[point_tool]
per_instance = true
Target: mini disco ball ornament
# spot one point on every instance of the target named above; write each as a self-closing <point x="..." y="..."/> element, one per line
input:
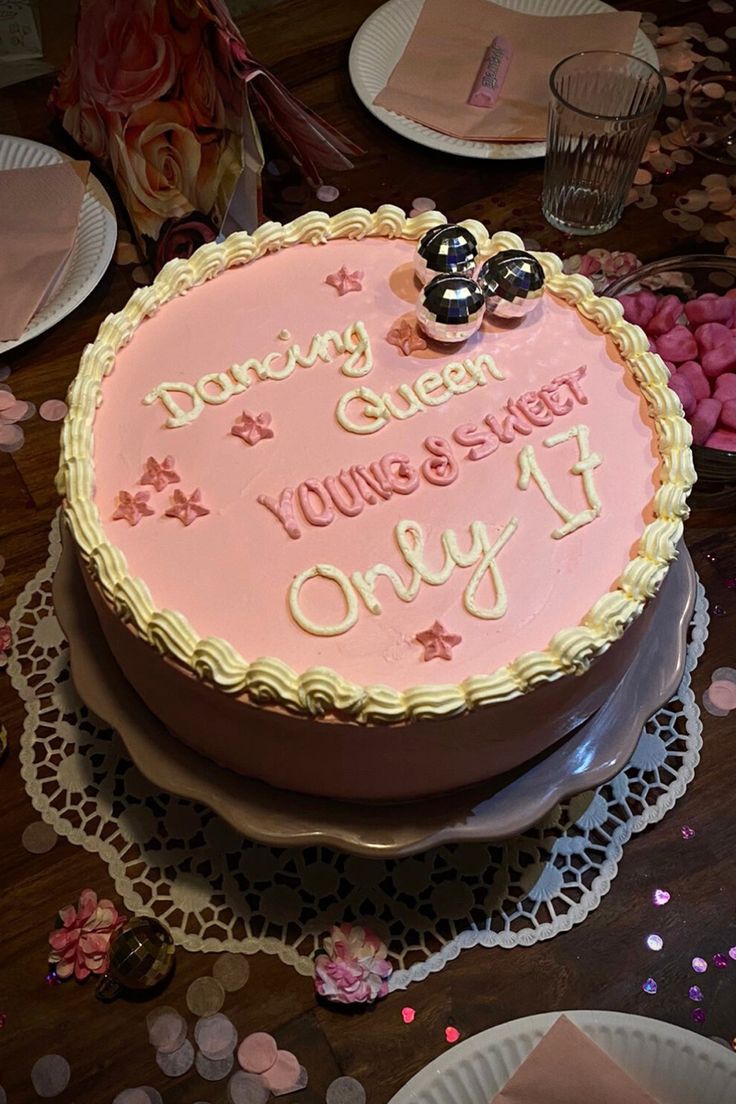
<point x="512" y="282"/>
<point x="450" y="308"/>
<point x="141" y="956"/>
<point x="446" y="250"/>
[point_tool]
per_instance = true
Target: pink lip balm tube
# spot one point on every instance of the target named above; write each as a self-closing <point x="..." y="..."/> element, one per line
<point x="492" y="73"/>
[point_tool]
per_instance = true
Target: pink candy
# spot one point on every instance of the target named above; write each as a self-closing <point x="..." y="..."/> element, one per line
<point x="691" y="371"/>
<point x="682" y="388"/>
<point x="728" y="414"/>
<point x="639" y="308"/>
<point x="722" y="439"/>
<point x="712" y="334"/>
<point x="705" y="419"/>
<point x="709" y="308"/>
<point x="668" y="311"/>
<point x="677" y="345"/>
<point x="725" y="387"/>
<point x="721" y="359"/>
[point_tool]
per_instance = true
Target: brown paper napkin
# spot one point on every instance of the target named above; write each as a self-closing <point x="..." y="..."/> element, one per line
<point x="39" y="215"/>
<point x="434" y="76"/>
<point x="567" y="1067"/>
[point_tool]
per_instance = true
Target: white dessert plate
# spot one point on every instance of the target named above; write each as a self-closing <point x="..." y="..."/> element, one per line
<point x="381" y="40"/>
<point x="674" y="1065"/>
<point x="93" y="247"/>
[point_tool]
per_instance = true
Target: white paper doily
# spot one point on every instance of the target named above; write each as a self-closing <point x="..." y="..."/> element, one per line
<point x="174" y="859"/>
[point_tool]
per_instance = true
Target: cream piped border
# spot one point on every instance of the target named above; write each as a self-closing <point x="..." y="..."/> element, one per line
<point x="320" y="690"/>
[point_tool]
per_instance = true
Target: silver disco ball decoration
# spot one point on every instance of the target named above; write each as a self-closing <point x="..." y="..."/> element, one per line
<point x="450" y="308"/>
<point x="446" y="250"/>
<point x="512" y="282"/>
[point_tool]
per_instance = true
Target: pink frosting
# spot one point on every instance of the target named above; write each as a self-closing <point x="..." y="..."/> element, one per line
<point x="233" y="572"/>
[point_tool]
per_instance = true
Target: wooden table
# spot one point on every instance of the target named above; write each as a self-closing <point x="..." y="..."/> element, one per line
<point x="598" y="965"/>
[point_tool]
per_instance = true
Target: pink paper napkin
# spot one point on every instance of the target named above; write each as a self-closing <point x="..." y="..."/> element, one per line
<point x="434" y="76"/>
<point x="567" y="1067"/>
<point x="39" y="214"/>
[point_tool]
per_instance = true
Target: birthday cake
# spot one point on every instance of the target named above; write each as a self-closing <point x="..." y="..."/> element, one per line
<point x="338" y="555"/>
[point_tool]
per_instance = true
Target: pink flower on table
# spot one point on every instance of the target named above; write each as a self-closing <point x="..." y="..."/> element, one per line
<point x="132" y="507"/>
<point x="6" y="641"/>
<point x="589" y="265"/>
<point x="161" y="168"/>
<point x="81" y="946"/>
<point x="127" y="56"/>
<point x="354" y="967"/>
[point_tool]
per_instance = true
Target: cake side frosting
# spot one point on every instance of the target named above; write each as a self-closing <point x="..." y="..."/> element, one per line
<point x="321" y="689"/>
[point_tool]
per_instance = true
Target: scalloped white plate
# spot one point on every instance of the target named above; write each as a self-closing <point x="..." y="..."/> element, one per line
<point x="381" y="40"/>
<point x="93" y="247"/>
<point x="676" y="1066"/>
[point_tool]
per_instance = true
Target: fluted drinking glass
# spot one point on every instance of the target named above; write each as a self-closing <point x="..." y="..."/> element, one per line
<point x="602" y="108"/>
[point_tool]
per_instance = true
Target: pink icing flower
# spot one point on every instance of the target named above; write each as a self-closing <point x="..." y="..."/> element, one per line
<point x="6" y="641"/>
<point x="132" y="507"/>
<point x="187" y="508"/>
<point x="126" y="53"/>
<point x="344" y="281"/>
<point x="159" y="474"/>
<point x="405" y="337"/>
<point x="438" y="642"/>
<point x="81" y="946"/>
<point x="354" y="967"/>
<point x="252" y="428"/>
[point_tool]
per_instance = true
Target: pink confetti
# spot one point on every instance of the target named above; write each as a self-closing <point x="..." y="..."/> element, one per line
<point x="53" y="410"/>
<point x="655" y="942"/>
<point x="422" y="204"/>
<point x="720" y="961"/>
<point x="699" y="965"/>
<point x="732" y="953"/>
<point x="452" y="1034"/>
<point x="11" y="438"/>
<point x="660" y="897"/>
<point x="687" y="832"/>
<point x="695" y="993"/>
<point x="698" y="1014"/>
<point x="408" y="1014"/>
<point x="649" y="986"/>
<point x="327" y="193"/>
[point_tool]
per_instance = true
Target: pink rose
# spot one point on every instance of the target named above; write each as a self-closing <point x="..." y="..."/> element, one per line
<point x="180" y="237"/>
<point x="161" y="168"/>
<point x="353" y="968"/>
<point x="66" y="90"/>
<point x="81" y="945"/>
<point x="126" y="53"/>
<point x="200" y="93"/>
<point x="90" y="128"/>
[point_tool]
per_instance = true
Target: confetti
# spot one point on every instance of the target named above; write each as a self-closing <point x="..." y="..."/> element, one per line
<point x="132" y="1096"/>
<point x="452" y="1034"/>
<point x="3" y="1096"/>
<point x="257" y="1052"/>
<point x="301" y="1083"/>
<point x="649" y="986"/>
<point x="687" y="832"/>
<point x="50" y="1075"/>
<point x="4" y="373"/>
<point x="284" y="1073"/>
<point x="205" y="996"/>
<point x="732" y="952"/>
<point x="247" y="1088"/>
<point x="327" y="193"/>
<point x="660" y="897"/>
<point x="699" y="965"/>
<point x="153" y="1094"/>
<point x="655" y="942"/>
<point x="423" y="204"/>
<point x="215" y="1036"/>
<point x="698" y="1014"/>
<point x="408" y="1014"/>
<point x="695" y="993"/>
<point x="38" y="838"/>
<point x="345" y="1090"/>
<point x="178" y="1063"/>
<point x="126" y="253"/>
<point x="720" y="961"/>
<point x="231" y="970"/>
<point x="167" y="1029"/>
<point x="140" y="275"/>
<point x="213" y="1069"/>
<point x="53" y="410"/>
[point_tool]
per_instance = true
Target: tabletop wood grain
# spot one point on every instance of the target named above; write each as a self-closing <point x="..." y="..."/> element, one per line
<point x="600" y="964"/>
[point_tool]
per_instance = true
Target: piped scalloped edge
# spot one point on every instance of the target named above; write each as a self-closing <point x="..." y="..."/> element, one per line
<point x="320" y="690"/>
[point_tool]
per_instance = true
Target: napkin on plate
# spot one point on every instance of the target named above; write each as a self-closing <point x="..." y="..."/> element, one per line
<point x="567" y="1067"/>
<point x="434" y="76"/>
<point x="39" y="214"/>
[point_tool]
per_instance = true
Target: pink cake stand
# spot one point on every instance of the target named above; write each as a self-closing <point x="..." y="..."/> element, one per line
<point x="498" y="809"/>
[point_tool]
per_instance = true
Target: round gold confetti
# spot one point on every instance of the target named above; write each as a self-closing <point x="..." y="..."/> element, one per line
<point x="232" y="971"/>
<point x="205" y="996"/>
<point x="178" y="1063"/>
<point x="39" y="837"/>
<point x="50" y="1075"/>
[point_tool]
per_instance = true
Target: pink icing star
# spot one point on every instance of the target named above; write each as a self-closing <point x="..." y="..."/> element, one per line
<point x="437" y="642"/>
<point x="186" y="509"/>
<point x="252" y="428"/>
<point x="159" y="475"/>
<point x="405" y="337"/>
<point x="132" y="507"/>
<point x="345" y="281"/>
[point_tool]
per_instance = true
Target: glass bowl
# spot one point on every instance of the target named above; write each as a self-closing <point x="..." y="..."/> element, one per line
<point x="686" y="277"/>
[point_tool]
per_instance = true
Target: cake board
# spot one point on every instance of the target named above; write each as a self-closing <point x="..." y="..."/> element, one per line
<point x="494" y="810"/>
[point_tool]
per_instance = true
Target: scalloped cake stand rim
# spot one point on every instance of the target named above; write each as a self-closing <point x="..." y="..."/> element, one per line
<point x="596" y="752"/>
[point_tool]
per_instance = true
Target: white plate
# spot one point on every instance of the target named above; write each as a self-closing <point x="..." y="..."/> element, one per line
<point x="380" y="42"/>
<point x="93" y="248"/>
<point x="676" y="1066"/>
